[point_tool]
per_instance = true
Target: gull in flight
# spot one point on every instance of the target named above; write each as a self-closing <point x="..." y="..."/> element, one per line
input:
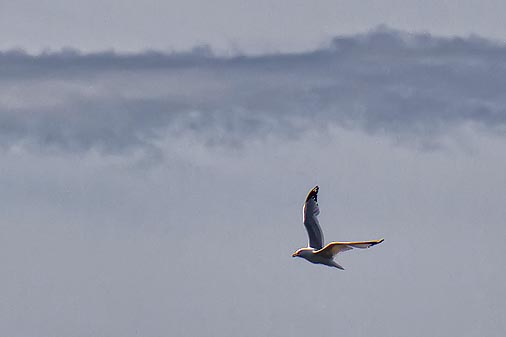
<point x="316" y="252"/>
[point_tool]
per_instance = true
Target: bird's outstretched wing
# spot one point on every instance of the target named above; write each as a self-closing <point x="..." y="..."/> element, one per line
<point x="310" y="217"/>
<point x="333" y="248"/>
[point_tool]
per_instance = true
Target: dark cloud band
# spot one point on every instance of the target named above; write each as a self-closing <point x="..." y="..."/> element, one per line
<point x="388" y="81"/>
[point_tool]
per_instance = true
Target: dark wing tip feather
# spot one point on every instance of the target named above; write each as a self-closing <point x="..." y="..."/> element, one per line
<point x="377" y="242"/>
<point x="313" y="194"/>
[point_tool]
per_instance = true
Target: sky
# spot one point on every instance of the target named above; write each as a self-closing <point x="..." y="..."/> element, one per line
<point x="230" y="26"/>
<point x="155" y="158"/>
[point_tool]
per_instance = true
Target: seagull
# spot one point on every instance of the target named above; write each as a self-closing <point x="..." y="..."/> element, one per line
<point x="316" y="252"/>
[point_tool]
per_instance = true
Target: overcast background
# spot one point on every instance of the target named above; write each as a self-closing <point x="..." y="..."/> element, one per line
<point x="155" y="158"/>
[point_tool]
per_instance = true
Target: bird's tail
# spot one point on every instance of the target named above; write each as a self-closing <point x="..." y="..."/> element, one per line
<point x="335" y="264"/>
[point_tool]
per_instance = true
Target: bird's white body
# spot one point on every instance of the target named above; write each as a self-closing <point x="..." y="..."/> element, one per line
<point x="316" y="252"/>
<point x="308" y="254"/>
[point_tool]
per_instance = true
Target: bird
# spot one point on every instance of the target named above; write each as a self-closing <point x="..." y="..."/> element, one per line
<point x="315" y="252"/>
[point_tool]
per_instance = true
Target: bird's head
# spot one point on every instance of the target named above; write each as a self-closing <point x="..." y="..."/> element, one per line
<point x="302" y="252"/>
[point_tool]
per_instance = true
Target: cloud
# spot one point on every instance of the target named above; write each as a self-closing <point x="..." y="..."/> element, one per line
<point x="386" y="81"/>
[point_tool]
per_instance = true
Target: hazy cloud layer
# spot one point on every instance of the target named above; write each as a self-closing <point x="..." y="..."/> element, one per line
<point x="384" y="81"/>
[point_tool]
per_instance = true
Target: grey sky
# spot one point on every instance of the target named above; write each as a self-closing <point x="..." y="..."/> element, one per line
<point x="160" y="193"/>
<point x="96" y="245"/>
<point x="224" y="24"/>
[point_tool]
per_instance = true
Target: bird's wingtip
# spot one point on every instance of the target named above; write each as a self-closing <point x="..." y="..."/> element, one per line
<point x="313" y="193"/>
